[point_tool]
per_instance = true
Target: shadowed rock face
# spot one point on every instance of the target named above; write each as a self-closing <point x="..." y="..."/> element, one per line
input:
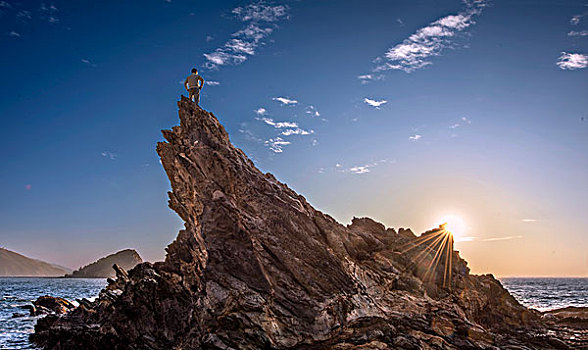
<point x="102" y="268"/>
<point x="257" y="267"/>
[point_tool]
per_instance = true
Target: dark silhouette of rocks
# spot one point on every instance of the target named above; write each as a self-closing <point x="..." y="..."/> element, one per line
<point x="102" y="268"/>
<point x="257" y="267"/>
<point x="17" y="265"/>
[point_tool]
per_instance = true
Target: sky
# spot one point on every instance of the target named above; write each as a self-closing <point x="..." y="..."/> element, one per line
<point x="409" y="112"/>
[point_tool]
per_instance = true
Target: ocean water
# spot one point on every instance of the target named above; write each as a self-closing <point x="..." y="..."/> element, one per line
<point x="14" y="332"/>
<point x="548" y="293"/>
<point x="539" y="293"/>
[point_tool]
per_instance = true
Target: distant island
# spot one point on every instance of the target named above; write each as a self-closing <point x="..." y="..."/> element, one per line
<point x="127" y="259"/>
<point x="16" y="265"/>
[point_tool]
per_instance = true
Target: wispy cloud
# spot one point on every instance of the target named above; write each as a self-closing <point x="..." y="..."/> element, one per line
<point x="260" y="111"/>
<point x="278" y="125"/>
<point x="260" y="23"/>
<point x="261" y="12"/>
<point x="572" y="61"/>
<point x="374" y="103"/>
<point x="109" y="155"/>
<point x="528" y="220"/>
<point x="506" y="238"/>
<point x="248" y="134"/>
<point x="285" y="101"/>
<point x="415" y="52"/>
<point x="578" y="33"/>
<point x="361" y="169"/>
<point x="212" y="83"/>
<point x="276" y="144"/>
<point x="297" y="131"/>
<point x="13" y="34"/>
<point x="49" y="13"/>
<point x="357" y="170"/>
<point x="291" y="128"/>
<point x="464" y="121"/>
<point x="490" y="239"/>
<point x="366" y="78"/>
<point x="312" y="111"/>
<point x="575" y="20"/>
<point x="88" y="62"/>
<point x="415" y="137"/>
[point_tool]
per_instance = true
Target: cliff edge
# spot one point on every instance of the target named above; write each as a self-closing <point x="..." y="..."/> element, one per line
<point x="257" y="267"/>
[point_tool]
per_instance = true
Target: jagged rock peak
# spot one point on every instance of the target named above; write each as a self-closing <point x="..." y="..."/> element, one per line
<point x="257" y="267"/>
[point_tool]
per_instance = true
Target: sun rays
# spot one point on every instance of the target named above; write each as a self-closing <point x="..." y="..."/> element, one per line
<point x="437" y="243"/>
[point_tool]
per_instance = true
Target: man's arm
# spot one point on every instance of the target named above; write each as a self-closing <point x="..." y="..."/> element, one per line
<point x="201" y="80"/>
<point x="186" y="83"/>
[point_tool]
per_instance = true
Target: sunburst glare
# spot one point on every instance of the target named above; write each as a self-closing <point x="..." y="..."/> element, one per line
<point x="456" y="225"/>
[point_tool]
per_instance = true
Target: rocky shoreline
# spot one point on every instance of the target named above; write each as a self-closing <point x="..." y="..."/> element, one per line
<point x="257" y="267"/>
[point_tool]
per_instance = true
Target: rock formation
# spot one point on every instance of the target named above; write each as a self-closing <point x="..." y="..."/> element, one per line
<point x="14" y="264"/>
<point x="48" y="304"/>
<point x="257" y="267"/>
<point x="127" y="259"/>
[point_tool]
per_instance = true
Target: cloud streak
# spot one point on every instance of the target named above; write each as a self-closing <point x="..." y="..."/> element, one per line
<point x="285" y="101"/>
<point x="109" y="155"/>
<point x="575" y="20"/>
<point x="374" y="103"/>
<point x="278" y="125"/>
<point x="578" y="33"/>
<point x="277" y="144"/>
<point x="506" y="238"/>
<point x="362" y="169"/>
<point x="260" y="22"/>
<point x="572" y="61"/>
<point x="490" y="239"/>
<point x="416" y="51"/>
<point x="88" y="62"/>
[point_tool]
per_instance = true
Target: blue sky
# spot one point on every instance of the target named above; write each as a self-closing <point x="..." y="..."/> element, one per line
<point x="404" y="111"/>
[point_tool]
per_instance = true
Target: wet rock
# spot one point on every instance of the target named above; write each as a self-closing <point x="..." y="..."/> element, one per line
<point x="257" y="267"/>
<point x="18" y="315"/>
<point x="49" y="304"/>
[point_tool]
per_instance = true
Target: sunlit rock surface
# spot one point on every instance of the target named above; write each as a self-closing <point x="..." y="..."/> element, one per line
<point x="257" y="267"/>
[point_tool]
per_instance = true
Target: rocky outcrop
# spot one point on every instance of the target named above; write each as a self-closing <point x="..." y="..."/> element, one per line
<point x="47" y="304"/>
<point x="127" y="259"/>
<point x="257" y="267"/>
<point x="14" y="264"/>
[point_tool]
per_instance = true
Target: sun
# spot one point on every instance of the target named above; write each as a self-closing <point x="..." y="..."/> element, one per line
<point x="454" y="224"/>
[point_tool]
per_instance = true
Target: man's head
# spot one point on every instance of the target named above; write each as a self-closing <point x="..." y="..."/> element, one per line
<point x="194" y="70"/>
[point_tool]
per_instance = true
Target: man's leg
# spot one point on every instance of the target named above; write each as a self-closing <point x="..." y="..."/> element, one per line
<point x="197" y="96"/>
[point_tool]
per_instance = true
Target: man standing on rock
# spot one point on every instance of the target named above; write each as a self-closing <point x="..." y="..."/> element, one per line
<point x="193" y="84"/>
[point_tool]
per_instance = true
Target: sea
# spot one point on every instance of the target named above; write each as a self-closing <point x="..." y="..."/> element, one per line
<point x="539" y="293"/>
